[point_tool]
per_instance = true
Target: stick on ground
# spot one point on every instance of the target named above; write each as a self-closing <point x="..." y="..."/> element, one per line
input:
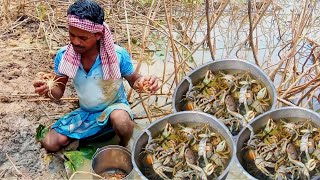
<point x="15" y="167"/>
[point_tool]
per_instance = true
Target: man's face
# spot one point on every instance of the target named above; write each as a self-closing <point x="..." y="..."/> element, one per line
<point x="82" y="40"/>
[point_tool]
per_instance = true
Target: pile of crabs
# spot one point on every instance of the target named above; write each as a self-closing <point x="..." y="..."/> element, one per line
<point x="282" y="149"/>
<point x="181" y="152"/>
<point x="235" y="98"/>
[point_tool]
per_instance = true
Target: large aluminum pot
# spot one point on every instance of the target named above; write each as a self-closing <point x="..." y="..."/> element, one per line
<point x="294" y="114"/>
<point x="188" y="118"/>
<point x="228" y="65"/>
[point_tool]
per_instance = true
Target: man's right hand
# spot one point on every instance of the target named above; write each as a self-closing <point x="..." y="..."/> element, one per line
<point x="41" y="87"/>
<point x="56" y="90"/>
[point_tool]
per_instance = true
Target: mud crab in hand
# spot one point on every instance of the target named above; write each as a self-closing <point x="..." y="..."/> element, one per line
<point x="50" y="80"/>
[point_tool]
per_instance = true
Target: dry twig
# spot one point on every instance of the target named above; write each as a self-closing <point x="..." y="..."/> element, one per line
<point x="14" y="166"/>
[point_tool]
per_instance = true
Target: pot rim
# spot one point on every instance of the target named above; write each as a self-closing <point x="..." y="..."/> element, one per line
<point x="224" y="128"/>
<point x="260" y="71"/>
<point x="257" y="119"/>
<point x="108" y="147"/>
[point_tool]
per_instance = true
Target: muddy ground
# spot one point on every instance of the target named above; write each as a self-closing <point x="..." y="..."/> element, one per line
<point x="25" y="52"/>
<point x="20" y="110"/>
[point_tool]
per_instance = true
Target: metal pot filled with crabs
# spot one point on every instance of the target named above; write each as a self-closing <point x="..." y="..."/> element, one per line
<point x="234" y="91"/>
<point x="184" y="145"/>
<point x="281" y="144"/>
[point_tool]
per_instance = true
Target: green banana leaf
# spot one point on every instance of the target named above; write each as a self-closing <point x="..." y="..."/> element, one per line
<point x="41" y="132"/>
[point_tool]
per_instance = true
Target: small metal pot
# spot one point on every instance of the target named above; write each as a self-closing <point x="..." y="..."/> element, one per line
<point x="228" y="65"/>
<point x="112" y="157"/>
<point x="294" y="114"/>
<point x="188" y="118"/>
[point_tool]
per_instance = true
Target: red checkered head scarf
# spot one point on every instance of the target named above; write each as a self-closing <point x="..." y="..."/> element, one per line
<point x="71" y="60"/>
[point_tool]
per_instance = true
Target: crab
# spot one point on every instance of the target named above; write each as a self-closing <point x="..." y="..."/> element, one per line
<point x="160" y="169"/>
<point x="191" y="162"/>
<point x="143" y="87"/>
<point x="262" y="164"/>
<point x="51" y="81"/>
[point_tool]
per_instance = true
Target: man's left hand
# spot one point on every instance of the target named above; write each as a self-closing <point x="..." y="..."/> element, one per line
<point x="147" y="84"/>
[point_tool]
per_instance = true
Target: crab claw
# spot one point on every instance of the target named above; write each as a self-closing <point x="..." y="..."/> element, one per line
<point x="311" y="164"/>
<point x="270" y="126"/>
<point x="262" y="93"/>
<point x="209" y="169"/>
<point x="221" y="146"/>
<point x="168" y="130"/>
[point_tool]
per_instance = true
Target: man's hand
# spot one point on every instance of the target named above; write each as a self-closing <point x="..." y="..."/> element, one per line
<point x="41" y="87"/>
<point x="50" y="85"/>
<point x="147" y="84"/>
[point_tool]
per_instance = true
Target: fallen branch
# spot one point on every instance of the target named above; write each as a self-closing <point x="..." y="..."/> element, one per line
<point x="254" y="50"/>
<point x="14" y="166"/>
<point x="152" y="116"/>
<point x="144" y="97"/>
<point x="173" y="48"/>
<point x="84" y="172"/>
<point x="20" y="95"/>
<point x="298" y="80"/>
<point x="209" y="30"/>
<point x="286" y="102"/>
<point x="47" y="115"/>
<point x="310" y="93"/>
<point x="48" y="99"/>
<point x="301" y="88"/>
<point x="145" y="107"/>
